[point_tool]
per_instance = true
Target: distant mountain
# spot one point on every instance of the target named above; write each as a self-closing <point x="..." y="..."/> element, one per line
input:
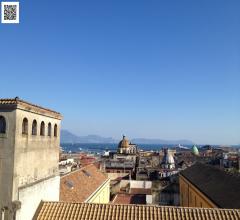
<point x="160" y="141"/>
<point x="68" y="137"/>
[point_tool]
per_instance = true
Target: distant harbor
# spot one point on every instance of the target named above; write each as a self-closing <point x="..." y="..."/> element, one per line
<point x="100" y="148"/>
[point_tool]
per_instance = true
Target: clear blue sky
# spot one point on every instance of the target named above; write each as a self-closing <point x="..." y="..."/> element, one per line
<point x="165" y="69"/>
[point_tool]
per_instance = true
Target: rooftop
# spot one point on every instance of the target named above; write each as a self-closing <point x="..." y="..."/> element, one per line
<point x="83" y="211"/>
<point x="19" y="103"/>
<point x="79" y="185"/>
<point x="220" y="187"/>
<point x="141" y="191"/>
<point x="123" y="198"/>
<point x="119" y="164"/>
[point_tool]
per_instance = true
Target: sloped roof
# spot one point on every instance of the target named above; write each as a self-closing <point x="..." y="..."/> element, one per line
<point x="123" y="198"/>
<point x="87" y="211"/>
<point x="77" y="186"/>
<point x="141" y="191"/>
<point x="222" y="188"/>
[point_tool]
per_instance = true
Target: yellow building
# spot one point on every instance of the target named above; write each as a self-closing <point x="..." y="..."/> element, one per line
<point x="87" y="184"/>
<point x="191" y="196"/>
<point x="205" y="186"/>
<point x="101" y="194"/>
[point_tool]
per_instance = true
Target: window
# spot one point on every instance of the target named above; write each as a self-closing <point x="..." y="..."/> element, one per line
<point x="49" y="129"/>
<point x="55" y="130"/>
<point x="2" y="125"/>
<point x="42" y="129"/>
<point x="34" y="127"/>
<point x="25" y="126"/>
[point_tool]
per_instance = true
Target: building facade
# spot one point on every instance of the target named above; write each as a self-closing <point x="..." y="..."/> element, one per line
<point x="29" y="154"/>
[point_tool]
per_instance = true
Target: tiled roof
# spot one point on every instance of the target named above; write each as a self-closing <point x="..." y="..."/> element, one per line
<point x="140" y="191"/>
<point x="87" y="211"/>
<point x="78" y="185"/>
<point x="220" y="187"/>
<point x="16" y="101"/>
<point x="129" y="199"/>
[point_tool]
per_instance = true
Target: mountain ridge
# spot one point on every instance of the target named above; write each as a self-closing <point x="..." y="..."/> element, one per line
<point x="68" y="137"/>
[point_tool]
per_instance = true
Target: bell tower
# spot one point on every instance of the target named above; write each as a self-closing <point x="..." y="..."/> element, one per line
<point x="29" y="151"/>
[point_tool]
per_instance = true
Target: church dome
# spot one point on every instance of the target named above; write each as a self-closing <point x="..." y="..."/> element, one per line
<point x="195" y="150"/>
<point x="124" y="143"/>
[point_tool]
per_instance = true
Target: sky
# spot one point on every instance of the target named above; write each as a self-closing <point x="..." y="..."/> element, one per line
<point x="164" y="69"/>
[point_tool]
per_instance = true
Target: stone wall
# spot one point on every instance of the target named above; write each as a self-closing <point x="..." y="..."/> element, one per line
<point x="28" y="163"/>
<point x="36" y="157"/>
<point x="7" y="143"/>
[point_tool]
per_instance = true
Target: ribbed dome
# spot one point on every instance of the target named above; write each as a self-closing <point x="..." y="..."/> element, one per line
<point x="195" y="150"/>
<point x="124" y="143"/>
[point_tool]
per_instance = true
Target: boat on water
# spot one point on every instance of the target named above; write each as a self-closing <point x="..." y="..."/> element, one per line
<point x="106" y="153"/>
<point x="182" y="147"/>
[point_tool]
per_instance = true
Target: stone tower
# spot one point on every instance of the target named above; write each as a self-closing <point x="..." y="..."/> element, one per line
<point x="29" y="155"/>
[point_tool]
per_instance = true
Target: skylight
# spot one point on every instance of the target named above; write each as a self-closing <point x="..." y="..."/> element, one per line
<point x="69" y="184"/>
<point x="86" y="173"/>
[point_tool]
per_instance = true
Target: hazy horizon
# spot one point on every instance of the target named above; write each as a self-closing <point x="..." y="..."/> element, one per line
<point x="119" y="137"/>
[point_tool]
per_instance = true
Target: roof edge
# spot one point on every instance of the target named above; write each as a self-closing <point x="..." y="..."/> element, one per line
<point x="17" y="102"/>
<point x="142" y="205"/>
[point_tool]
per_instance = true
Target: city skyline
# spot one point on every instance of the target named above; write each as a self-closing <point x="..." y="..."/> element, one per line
<point x="156" y="70"/>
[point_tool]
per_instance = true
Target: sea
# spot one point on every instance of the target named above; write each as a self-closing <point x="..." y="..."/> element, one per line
<point x="100" y="148"/>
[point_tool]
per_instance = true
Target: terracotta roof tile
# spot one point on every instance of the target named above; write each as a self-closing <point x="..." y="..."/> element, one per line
<point x="141" y="191"/>
<point x="77" y="186"/>
<point x="85" y="211"/>
<point x="122" y="198"/>
<point x="17" y="101"/>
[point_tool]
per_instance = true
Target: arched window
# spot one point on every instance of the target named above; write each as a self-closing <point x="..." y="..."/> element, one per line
<point x="2" y="125"/>
<point x="55" y="130"/>
<point x="34" y="127"/>
<point x="42" y="129"/>
<point x="25" y="126"/>
<point x="49" y="129"/>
